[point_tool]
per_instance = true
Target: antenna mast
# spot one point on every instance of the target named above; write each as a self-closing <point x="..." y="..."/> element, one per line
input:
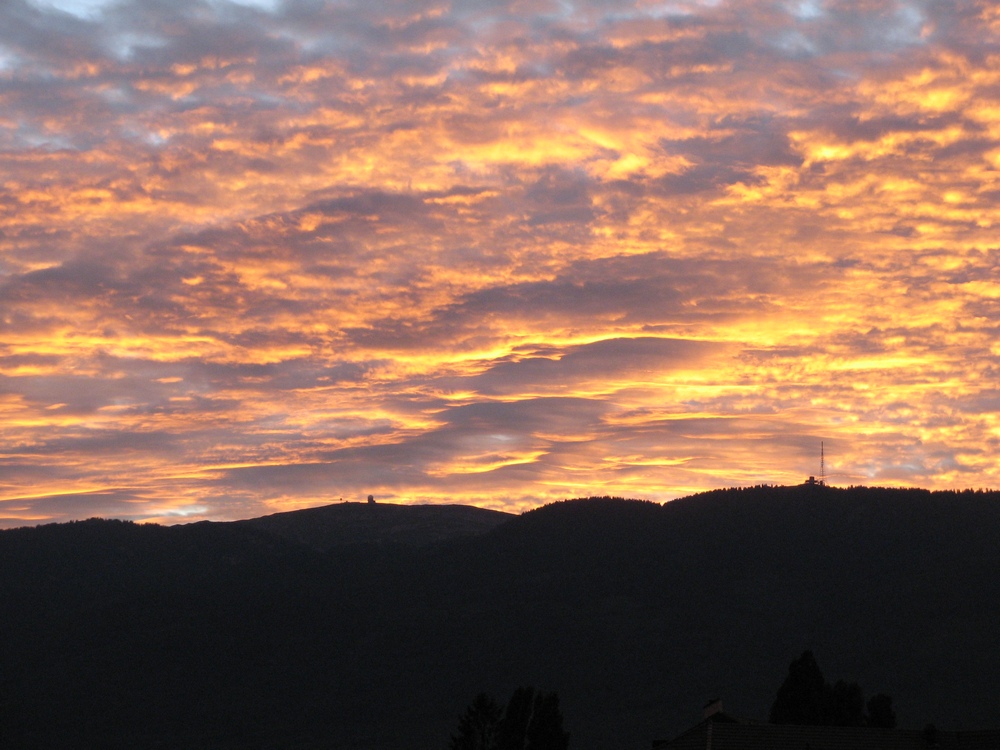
<point x="822" y="464"/>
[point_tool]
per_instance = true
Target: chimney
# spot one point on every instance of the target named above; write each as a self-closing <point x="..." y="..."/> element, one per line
<point x="712" y="708"/>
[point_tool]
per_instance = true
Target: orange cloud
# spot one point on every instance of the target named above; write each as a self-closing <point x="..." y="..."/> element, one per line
<point x="500" y="256"/>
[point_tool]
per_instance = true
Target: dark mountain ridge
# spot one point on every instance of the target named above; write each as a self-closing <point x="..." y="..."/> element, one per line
<point x="286" y="632"/>
<point x="378" y="524"/>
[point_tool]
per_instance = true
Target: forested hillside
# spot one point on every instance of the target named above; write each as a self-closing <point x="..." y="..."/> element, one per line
<point x="248" y="635"/>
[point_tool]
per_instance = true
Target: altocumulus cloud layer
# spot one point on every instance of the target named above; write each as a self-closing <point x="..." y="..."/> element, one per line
<point x="257" y="256"/>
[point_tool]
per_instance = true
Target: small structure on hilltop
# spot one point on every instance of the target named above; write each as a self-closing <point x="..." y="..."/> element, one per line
<point x="371" y="499"/>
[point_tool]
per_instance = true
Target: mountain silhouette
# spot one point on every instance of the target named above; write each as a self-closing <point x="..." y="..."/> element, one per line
<point x="378" y="524"/>
<point x="317" y="630"/>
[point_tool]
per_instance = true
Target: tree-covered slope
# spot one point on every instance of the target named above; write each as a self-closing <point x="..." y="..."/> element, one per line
<point x="378" y="525"/>
<point x="236" y="635"/>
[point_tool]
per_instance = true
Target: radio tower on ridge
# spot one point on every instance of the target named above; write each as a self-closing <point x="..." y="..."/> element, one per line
<point x="822" y="464"/>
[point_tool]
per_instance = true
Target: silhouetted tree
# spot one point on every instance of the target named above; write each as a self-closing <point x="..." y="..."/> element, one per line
<point x="513" y="729"/>
<point x="477" y="729"/>
<point x="531" y="721"/>
<point x="545" y="730"/>
<point x="802" y="697"/>
<point x="806" y="698"/>
<point x="880" y="713"/>
<point x="846" y="705"/>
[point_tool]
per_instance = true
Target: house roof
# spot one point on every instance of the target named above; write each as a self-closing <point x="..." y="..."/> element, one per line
<point x="723" y="732"/>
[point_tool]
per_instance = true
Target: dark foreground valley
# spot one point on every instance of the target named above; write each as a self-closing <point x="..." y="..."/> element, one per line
<point x="375" y="626"/>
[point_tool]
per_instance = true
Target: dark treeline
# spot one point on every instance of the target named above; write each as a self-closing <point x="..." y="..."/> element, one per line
<point x="531" y="720"/>
<point x="117" y="635"/>
<point x="805" y="697"/>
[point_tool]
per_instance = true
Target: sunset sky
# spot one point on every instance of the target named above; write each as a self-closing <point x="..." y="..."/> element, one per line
<point x="263" y="255"/>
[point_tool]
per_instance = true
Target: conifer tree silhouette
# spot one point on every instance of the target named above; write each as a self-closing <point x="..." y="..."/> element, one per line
<point x="806" y="698"/>
<point x="477" y="729"/>
<point x="801" y="699"/>
<point x="532" y="720"/>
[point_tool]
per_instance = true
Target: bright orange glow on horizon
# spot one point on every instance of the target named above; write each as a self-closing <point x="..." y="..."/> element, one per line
<point x="261" y="258"/>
